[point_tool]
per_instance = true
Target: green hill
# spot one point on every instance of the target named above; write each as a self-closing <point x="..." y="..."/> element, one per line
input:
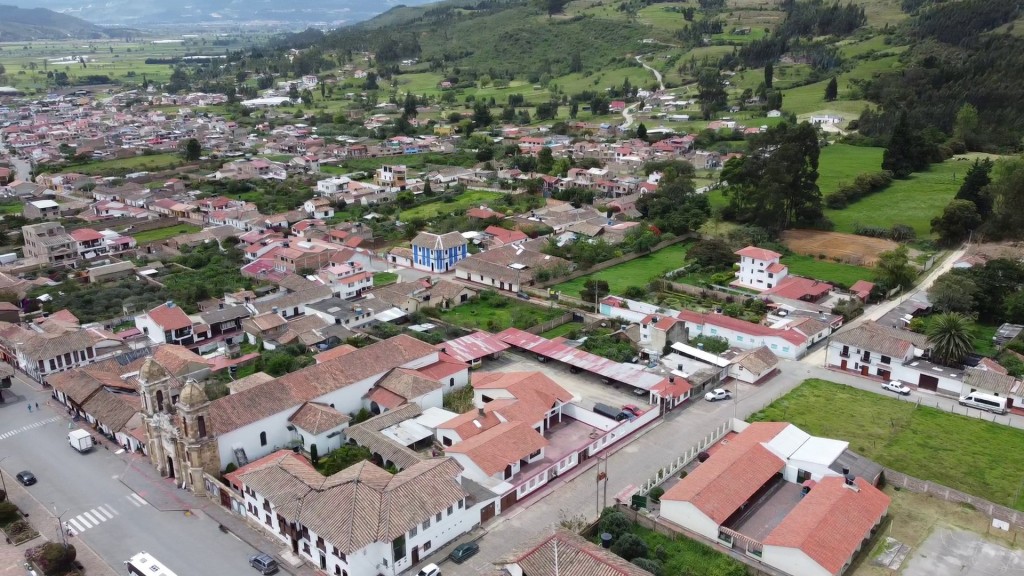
<point x="20" y="24"/>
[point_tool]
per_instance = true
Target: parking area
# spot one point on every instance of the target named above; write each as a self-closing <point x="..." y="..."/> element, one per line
<point x="587" y="387"/>
<point x="955" y="552"/>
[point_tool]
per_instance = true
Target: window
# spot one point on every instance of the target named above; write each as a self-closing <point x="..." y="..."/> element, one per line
<point x="426" y="523"/>
<point x="201" y="422"/>
<point x="446" y="441"/>
<point x="462" y="503"/>
<point x="785" y="348"/>
<point x="451" y="382"/>
<point x="714" y="331"/>
<point x="159" y="400"/>
<point x="450" y="510"/>
<point x="263" y="438"/>
<point x="437" y="517"/>
<point x="886" y="360"/>
<point x="426" y="545"/>
<point x="414" y="531"/>
<point x="775" y="346"/>
<point x="739" y="338"/>
<point x="397" y="549"/>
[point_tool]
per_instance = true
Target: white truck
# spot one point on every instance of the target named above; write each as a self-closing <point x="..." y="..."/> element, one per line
<point x="80" y="440"/>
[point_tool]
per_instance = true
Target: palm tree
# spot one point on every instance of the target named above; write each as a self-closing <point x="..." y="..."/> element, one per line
<point x="949" y="335"/>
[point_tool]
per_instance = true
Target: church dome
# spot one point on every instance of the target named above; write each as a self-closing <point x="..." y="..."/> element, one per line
<point x="192" y="394"/>
<point x="152" y="372"/>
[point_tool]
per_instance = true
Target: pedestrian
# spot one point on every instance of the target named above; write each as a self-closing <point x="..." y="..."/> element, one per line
<point x="30" y="408"/>
<point x="37" y="405"/>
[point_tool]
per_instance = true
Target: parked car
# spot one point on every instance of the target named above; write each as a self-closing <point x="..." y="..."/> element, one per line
<point x="636" y="411"/>
<point x="897" y="387"/>
<point x="463" y="551"/>
<point x="718" y="394"/>
<point x="523" y="295"/>
<point x="26" y="478"/>
<point x="429" y="570"/>
<point x="264" y="563"/>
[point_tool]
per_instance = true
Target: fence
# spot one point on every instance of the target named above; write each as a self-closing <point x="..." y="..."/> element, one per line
<point x="554" y="323"/>
<point x="904" y="482"/>
<point x="676" y="465"/>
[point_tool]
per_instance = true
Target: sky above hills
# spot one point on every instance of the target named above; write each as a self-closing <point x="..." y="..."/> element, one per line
<point x="198" y="12"/>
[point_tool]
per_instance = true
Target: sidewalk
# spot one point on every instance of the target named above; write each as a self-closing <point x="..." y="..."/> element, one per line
<point x="12" y="558"/>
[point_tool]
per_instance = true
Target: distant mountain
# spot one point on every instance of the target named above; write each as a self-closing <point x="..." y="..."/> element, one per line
<point x="155" y="12"/>
<point x="19" y="24"/>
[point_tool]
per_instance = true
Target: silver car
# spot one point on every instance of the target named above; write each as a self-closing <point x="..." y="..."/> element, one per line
<point x="897" y="387"/>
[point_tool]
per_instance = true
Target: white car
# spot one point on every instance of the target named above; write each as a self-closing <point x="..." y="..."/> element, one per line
<point x="429" y="570"/>
<point x="718" y="394"/>
<point x="897" y="387"/>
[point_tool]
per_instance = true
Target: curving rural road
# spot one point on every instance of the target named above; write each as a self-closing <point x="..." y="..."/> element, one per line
<point x="627" y="113"/>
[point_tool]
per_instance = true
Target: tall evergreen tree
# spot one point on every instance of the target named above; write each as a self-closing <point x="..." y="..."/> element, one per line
<point x="832" y="90"/>
<point x="900" y="155"/>
<point x="769" y="71"/>
<point x="973" y="188"/>
<point x="641" y="131"/>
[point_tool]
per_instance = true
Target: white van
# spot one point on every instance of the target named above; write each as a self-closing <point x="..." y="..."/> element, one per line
<point x="982" y="401"/>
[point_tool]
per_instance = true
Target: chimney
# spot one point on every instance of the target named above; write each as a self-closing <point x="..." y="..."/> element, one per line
<point x="480" y="411"/>
<point x="846" y="471"/>
<point x="849" y="479"/>
<point x="671" y="379"/>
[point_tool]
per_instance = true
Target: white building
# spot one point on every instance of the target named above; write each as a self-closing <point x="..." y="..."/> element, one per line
<point x="759" y="268"/>
<point x="166" y="324"/>
<point x="332" y="186"/>
<point x="793" y="501"/>
<point x="362" y="520"/>
<point x="319" y="208"/>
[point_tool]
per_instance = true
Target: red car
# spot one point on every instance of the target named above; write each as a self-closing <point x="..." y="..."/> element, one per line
<point x="632" y="408"/>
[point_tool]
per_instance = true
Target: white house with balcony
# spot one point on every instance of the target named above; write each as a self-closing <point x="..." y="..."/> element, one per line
<point x="759" y="268"/>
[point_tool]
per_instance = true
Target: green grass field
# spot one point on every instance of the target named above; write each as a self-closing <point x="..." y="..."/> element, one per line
<point x="384" y="278"/>
<point x="135" y="163"/>
<point x="462" y="202"/>
<point x="969" y="454"/>
<point x="158" y="234"/>
<point x="494" y="312"/>
<point x="636" y="272"/>
<point x="833" y="272"/>
<point x="841" y="163"/>
<point x="562" y="330"/>
<point x="913" y="201"/>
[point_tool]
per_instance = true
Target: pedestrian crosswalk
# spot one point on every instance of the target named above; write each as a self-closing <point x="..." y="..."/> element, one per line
<point x="136" y="500"/>
<point x="28" y="427"/>
<point x="90" y="519"/>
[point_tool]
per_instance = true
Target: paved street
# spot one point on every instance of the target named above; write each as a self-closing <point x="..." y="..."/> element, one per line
<point x="86" y="491"/>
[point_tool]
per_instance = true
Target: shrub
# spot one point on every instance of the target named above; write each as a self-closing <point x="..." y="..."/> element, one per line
<point x="8" y="512"/>
<point x="652" y="566"/>
<point x="3" y="496"/>
<point x="630" y="546"/>
<point x="615" y="523"/>
<point x="656" y="493"/>
<point x="53" y="558"/>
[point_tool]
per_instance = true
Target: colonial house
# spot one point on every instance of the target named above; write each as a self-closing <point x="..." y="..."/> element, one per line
<point x="438" y="252"/>
<point x="319" y="208"/>
<point x="56" y="348"/>
<point x="392" y="521"/>
<point x="563" y="547"/>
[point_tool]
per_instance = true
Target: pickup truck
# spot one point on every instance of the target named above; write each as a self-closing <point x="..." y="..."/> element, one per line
<point x="80" y="440"/>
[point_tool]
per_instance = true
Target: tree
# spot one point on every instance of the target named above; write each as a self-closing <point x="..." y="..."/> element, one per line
<point x="630" y="546"/>
<point x="949" y="336"/>
<point x="675" y="206"/>
<point x="1007" y="194"/>
<point x="893" y="269"/>
<point x="409" y="107"/>
<point x="1014" y="308"/>
<point x="640" y="239"/>
<point x="307" y="97"/>
<point x="769" y="75"/>
<point x="314" y="455"/>
<point x="907" y="151"/>
<point x="545" y="160"/>
<point x="712" y="254"/>
<point x="953" y="292"/>
<point x="641" y="131"/>
<point x="775" y="186"/>
<point x="958" y="220"/>
<point x="481" y="115"/>
<point x="293" y="91"/>
<point x="831" y="90"/>
<point x="427" y="190"/>
<point x="342" y="458"/>
<point x="710" y="92"/>
<point x="965" y="126"/>
<point x="615" y="523"/>
<point x="193" y="150"/>
<point x="593" y="290"/>
<point x="652" y="566"/>
<point x="973" y="187"/>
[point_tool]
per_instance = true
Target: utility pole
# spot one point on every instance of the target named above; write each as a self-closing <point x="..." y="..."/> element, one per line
<point x="601" y="493"/>
<point x="60" y="530"/>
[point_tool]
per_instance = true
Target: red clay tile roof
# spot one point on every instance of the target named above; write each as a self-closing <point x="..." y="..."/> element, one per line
<point x="500" y="446"/>
<point x="445" y="367"/>
<point x="758" y="253"/>
<point x="735" y="471"/>
<point x="796" y="288"/>
<point x="830" y="523"/>
<point x="568" y="554"/>
<point x="336" y="352"/>
<point x="173" y="318"/>
<point x="315" y="418"/>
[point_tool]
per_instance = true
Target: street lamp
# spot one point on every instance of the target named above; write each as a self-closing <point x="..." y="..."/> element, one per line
<point x="61" y="530"/>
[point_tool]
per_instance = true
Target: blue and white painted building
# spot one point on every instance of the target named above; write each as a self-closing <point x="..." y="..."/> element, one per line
<point x="438" y="252"/>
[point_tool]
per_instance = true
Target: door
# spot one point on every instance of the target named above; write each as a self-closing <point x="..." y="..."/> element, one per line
<point x="487" y="512"/>
<point x="884" y="374"/>
<point x="863" y="370"/>
<point x="508" y="500"/>
<point x="842" y="364"/>
<point x="415" y="554"/>
<point x="927" y="382"/>
<point x="170" y="467"/>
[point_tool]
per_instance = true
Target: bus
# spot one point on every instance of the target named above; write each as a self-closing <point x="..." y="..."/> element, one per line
<point x="142" y="564"/>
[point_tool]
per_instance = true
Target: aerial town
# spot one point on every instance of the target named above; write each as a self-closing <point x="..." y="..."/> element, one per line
<point x="382" y="314"/>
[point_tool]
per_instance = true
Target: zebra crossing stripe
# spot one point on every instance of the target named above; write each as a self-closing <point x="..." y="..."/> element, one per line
<point x="94" y="519"/>
<point x="83" y="521"/>
<point x="75" y="525"/>
<point x="108" y="510"/>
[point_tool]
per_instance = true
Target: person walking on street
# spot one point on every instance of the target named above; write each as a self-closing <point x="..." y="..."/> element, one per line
<point x="37" y="405"/>
<point x="30" y="408"/>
